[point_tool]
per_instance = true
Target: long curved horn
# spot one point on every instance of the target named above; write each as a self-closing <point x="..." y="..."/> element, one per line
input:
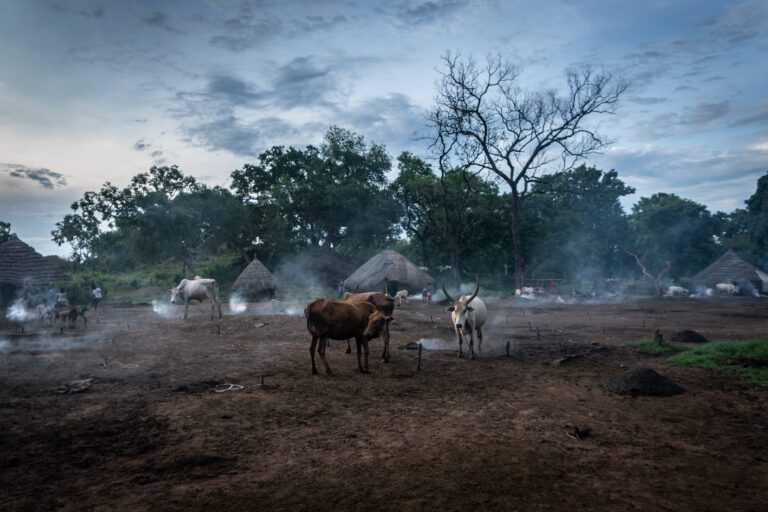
<point x="477" y="289"/>
<point x="448" y="294"/>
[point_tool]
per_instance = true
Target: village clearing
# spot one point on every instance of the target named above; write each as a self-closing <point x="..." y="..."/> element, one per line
<point x="138" y="412"/>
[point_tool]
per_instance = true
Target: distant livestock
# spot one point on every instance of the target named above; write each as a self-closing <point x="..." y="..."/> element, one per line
<point x="197" y="289"/>
<point x="383" y="303"/>
<point x="71" y="313"/>
<point x="339" y="320"/>
<point x="468" y="314"/>
<point x="676" y="291"/>
<point x="726" y="288"/>
<point x="401" y="297"/>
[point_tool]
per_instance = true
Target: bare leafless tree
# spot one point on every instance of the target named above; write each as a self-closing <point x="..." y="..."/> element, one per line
<point x="484" y="121"/>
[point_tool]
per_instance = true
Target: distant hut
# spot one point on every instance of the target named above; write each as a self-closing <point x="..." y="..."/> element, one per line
<point x="399" y="270"/>
<point x="730" y="268"/>
<point x="21" y="267"/>
<point x="255" y="281"/>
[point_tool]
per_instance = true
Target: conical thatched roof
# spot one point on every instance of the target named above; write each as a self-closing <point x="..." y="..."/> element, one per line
<point x="391" y="265"/>
<point x="21" y="264"/>
<point x="255" y="280"/>
<point x="730" y="268"/>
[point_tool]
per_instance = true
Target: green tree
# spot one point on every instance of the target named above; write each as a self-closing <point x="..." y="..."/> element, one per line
<point x="335" y="196"/>
<point x="577" y="225"/>
<point x="667" y="228"/>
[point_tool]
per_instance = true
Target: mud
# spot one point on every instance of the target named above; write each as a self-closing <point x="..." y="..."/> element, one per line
<point x="155" y="431"/>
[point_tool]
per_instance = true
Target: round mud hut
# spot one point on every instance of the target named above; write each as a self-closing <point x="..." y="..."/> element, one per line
<point x="401" y="273"/>
<point x="22" y="269"/>
<point x="255" y="282"/>
<point x="730" y="268"/>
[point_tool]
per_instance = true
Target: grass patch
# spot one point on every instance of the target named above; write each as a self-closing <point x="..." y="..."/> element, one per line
<point x="746" y="358"/>
<point x="654" y="348"/>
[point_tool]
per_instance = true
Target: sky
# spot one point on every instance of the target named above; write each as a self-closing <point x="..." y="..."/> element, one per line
<point x="97" y="91"/>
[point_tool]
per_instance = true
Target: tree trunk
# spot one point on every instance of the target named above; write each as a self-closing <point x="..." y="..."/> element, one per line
<point x="517" y="246"/>
<point x="456" y="263"/>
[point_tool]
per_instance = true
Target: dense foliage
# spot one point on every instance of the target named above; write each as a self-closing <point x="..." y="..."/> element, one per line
<point x="344" y="197"/>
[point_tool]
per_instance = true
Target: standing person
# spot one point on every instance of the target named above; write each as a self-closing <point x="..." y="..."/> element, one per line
<point x="341" y="290"/>
<point x="97" y="296"/>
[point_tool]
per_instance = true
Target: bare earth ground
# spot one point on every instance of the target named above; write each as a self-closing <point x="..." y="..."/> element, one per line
<point x="152" y="433"/>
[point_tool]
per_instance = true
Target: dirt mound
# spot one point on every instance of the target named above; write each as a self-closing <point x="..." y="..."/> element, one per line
<point x="643" y="382"/>
<point x="688" y="336"/>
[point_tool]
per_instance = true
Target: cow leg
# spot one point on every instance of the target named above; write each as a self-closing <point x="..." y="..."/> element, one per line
<point x="367" y="351"/>
<point x="479" y="340"/>
<point x="186" y="308"/>
<point x="359" y="342"/>
<point x="349" y="347"/>
<point x="312" y="346"/>
<point x="385" y="354"/>
<point x="461" y="342"/>
<point x="472" y="344"/>
<point x="219" y="304"/>
<point x="321" y="351"/>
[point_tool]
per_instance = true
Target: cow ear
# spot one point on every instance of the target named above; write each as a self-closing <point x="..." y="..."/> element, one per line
<point x="451" y="308"/>
<point x="470" y="308"/>
<point x="389" y="319"/>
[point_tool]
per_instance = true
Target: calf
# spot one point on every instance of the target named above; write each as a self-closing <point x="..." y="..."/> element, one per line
<point x="383" y="303"/>
<point x="726" y="288"/>
<point x="339" y="320"/>
<point x="71" y="313"/>
<point x="401" y="297"/>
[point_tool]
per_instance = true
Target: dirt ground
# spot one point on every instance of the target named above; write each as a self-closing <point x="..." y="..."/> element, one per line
<point x="153" y="432"/>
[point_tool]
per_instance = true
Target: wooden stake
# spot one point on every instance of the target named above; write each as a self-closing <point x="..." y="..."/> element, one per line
<point x="508" y="344"/>
<point x="418" y="365"/>
<point x="529" y="326"/>
<point x="537" y="333"/>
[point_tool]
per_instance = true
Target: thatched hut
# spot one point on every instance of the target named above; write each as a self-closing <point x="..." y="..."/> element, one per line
<point x="255" y="281"/>
<point x="730" y="268"/>
<point x="23" y="267"/>
<point x="399" y="270"/>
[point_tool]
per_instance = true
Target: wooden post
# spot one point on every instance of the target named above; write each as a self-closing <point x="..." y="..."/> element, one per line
<point x="508" y="344"/>
<point x="537" y="333"/>
<point x="418" y="365"/>
<point x="529" y="326"/>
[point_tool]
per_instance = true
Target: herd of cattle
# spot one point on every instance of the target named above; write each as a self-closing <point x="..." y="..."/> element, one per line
<point x="358" y="316"/>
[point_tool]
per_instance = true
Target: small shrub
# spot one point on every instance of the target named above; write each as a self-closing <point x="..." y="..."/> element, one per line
<point x="746" y="358"/>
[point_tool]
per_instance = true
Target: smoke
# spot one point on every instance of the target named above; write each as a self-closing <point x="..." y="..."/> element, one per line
<point x="18" y="312"/>
<point x="237" y="304"/>
<point x="437" y="344"/>
<point x="164" y="309"/>
<point x="277" y="307"/>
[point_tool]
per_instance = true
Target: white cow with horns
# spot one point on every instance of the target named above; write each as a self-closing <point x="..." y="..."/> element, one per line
<point x="468" y="315"/>
<point x="197" y="289"/>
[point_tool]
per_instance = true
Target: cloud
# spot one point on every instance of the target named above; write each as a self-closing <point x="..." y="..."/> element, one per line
<point x="424" y="13"/>
<point x="45" y="178"/>
<point x="92" y="11"/>
<point x="647" y="100"/>
<point x="141" y="145"/>
<point x="760" y="116"/>
<point x="244" y="138"/>
<point x="157" y="19"/>
<point x="700" y="117"/>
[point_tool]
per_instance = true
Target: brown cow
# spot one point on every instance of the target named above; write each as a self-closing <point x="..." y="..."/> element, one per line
<point x="340" y="320"/>
<point x="383" y="303"/>
<point x="71" y="313"/>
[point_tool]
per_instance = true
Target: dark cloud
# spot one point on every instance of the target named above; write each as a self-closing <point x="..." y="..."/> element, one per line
<point x="157" y="19"/>
<point x="46" y="178"/>
<point x="88" y="11"/>
<point x="141" y="145"/>
<point x="424" y="13"/>
<point x="303" y="81"/>
<point x="227" y="132"/>
<point x="700" y="117"/>
<point x="685" y="88"/>
<point x="759" y="116"/>
<point x="232" y="90"/>
<point x="646" y="100"/>
<point x="247" y="29"/>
